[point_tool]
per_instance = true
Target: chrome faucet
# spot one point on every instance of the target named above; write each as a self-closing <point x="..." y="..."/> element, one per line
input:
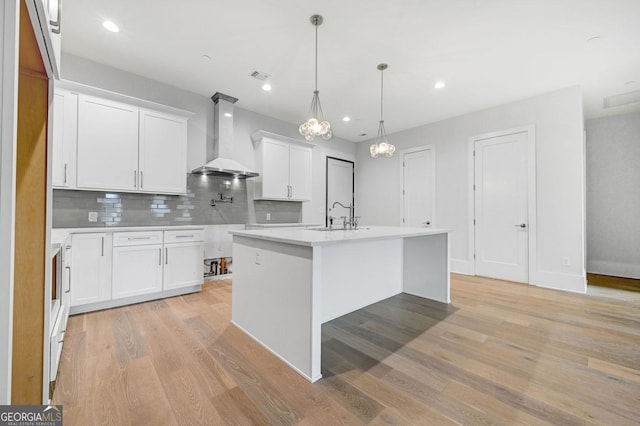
<point x="353" y="220"/>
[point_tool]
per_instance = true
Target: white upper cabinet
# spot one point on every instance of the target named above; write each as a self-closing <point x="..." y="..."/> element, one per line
<point x="300" y="172"/>
<point x="47" y="28"/>
<point x="107" y="145"/>
<point x="163" y="153"/>
<point x="65" y="136"/>
<point x="274" y="170"/>
<point x="118" y="146"/>
<point x="285" y="167"/>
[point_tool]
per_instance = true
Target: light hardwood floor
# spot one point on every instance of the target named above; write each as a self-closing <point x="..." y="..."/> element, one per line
<point x="501" y="353"/>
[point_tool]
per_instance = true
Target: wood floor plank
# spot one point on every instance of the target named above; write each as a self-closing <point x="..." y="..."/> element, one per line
<point x="500" y="353"/>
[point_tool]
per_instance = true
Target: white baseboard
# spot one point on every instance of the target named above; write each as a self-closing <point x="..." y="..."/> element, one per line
<point x="560" y="281"/>
<point x="461" y="266"/>
<point x="616" y="269"/>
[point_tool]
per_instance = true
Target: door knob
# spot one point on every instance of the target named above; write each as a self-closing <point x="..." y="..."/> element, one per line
<point x="426" y="223"/>
<point x="522" y="225"/>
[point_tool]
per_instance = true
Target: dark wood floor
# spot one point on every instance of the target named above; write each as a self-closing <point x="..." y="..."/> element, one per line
<point x="501" y="353"/>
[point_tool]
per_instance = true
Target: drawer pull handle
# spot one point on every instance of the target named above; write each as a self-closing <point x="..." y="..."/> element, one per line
<point x="185" y="236"/>
<point x="138" y="238"/>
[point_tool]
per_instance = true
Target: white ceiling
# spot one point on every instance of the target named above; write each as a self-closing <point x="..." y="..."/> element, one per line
<point x="488" y="52"/>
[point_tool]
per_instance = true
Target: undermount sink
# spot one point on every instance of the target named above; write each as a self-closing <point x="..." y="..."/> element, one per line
<point x="337" y="229"/>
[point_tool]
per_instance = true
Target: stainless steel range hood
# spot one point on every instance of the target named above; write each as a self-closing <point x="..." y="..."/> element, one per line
<point x="223" y="164"/>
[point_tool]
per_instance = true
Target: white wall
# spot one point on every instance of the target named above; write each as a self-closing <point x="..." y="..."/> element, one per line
<point x="200" y="131"/>
<point x="9" y="18"/>
<point x="558" y="121"/>
<point x="613" y="195"/>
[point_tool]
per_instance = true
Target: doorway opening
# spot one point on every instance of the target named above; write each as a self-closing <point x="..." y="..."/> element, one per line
<point x="340" y="186"/>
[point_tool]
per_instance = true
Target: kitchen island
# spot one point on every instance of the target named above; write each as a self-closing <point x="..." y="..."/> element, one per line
<point x="288" y="282"/>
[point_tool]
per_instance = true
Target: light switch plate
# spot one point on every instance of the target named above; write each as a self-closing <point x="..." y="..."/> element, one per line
<point x="93" y="216"/>
<point x="268" y="216"/>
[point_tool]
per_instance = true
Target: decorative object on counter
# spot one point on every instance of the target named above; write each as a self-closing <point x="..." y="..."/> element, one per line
<point x="316" y="125"/>
<point x="222" y="199"/>
<point x="382" y="145"/>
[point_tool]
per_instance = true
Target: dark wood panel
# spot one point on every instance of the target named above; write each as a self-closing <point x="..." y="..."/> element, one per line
<point x="501" y="353"/>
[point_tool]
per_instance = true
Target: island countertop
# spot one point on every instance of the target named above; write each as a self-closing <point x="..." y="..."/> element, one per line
<point x="312" y="237"/>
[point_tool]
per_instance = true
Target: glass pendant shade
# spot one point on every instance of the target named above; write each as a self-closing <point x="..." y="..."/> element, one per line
<point x="316" y="125"/>
<point x="382" y="147"/>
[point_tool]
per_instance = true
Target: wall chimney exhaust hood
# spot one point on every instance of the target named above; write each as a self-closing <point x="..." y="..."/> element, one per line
<point x="223" y="164"/>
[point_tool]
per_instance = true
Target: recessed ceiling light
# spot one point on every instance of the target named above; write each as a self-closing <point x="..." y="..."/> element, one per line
<point x="346" y="118"/>
<point x="110" y="26"/>
<point x="266" y="87"/>
<point x="439" y="85"/>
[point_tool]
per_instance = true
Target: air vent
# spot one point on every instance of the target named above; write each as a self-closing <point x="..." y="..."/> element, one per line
<point x="262" y="76"/>
<point x="622" y="99"/>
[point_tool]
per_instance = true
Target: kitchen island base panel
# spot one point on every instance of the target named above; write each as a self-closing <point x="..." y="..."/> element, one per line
<point x="357" y="274"/>
<point x="272" y="300"/>
<point x="283" y="291"/>
<point x="426" y="267"/>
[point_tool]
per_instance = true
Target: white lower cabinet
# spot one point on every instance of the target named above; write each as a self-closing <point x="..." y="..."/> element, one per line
<point x="136" y="270"/>
<point x="119" y="268"/>
<point x="183" y="264"/>
<point x="184" y="255"/>
<point x="90" y="275"/>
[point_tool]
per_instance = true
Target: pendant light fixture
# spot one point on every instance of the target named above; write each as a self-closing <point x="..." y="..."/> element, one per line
<point x="382" y="145"/>
<point x="316" y="125"/>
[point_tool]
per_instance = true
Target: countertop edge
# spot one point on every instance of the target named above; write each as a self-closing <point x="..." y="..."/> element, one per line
<point x="272" y="235"/>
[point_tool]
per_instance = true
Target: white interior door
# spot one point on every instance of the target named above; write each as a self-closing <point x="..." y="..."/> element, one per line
<point x="501" y="207"/>
<point x="418" y="180"/>
<point x="339" y="187"/>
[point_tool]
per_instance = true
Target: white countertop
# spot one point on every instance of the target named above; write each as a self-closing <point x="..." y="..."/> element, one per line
<point x="310" y="237"/>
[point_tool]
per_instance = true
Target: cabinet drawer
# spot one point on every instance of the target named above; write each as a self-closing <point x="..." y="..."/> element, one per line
<point x="184" y="236"/>
<point x="136" y="238"/>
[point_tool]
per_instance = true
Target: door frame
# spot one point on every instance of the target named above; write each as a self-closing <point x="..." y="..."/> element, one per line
<point x="432" y="147"/>
<point x="326" y="186"/>
<point x="531" y="195"/>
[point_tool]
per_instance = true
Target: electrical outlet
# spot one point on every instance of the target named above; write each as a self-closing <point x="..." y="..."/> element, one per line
<point x="93" y="216"/>
<point x="258" y="257"/>
<point x="268" y="216"/>
<point x="566" y="261"/>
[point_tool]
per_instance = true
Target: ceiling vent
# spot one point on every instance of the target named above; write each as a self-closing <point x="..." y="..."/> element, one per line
<point x="622" y="99"/>
<point x="259" y="75"/>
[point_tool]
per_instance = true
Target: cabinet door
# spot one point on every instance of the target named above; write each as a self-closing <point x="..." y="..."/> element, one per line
<point x="136" y="270"/>
<point x="300" y="173"/>
<point x="89" y="273"/>
<point x="65" y="135"/>
<point x="183" y="265"/>
<point x="163" y="153"/>
<point x="275" y="169"/>
<point x="107" y="145"/>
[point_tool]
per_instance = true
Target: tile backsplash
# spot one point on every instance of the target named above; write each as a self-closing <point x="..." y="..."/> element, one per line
<point x="71" y="208"/>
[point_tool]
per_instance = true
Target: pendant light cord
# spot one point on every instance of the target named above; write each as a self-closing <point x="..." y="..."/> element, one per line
<point x="381" y="93"/>
<point x="316" y="58"/>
